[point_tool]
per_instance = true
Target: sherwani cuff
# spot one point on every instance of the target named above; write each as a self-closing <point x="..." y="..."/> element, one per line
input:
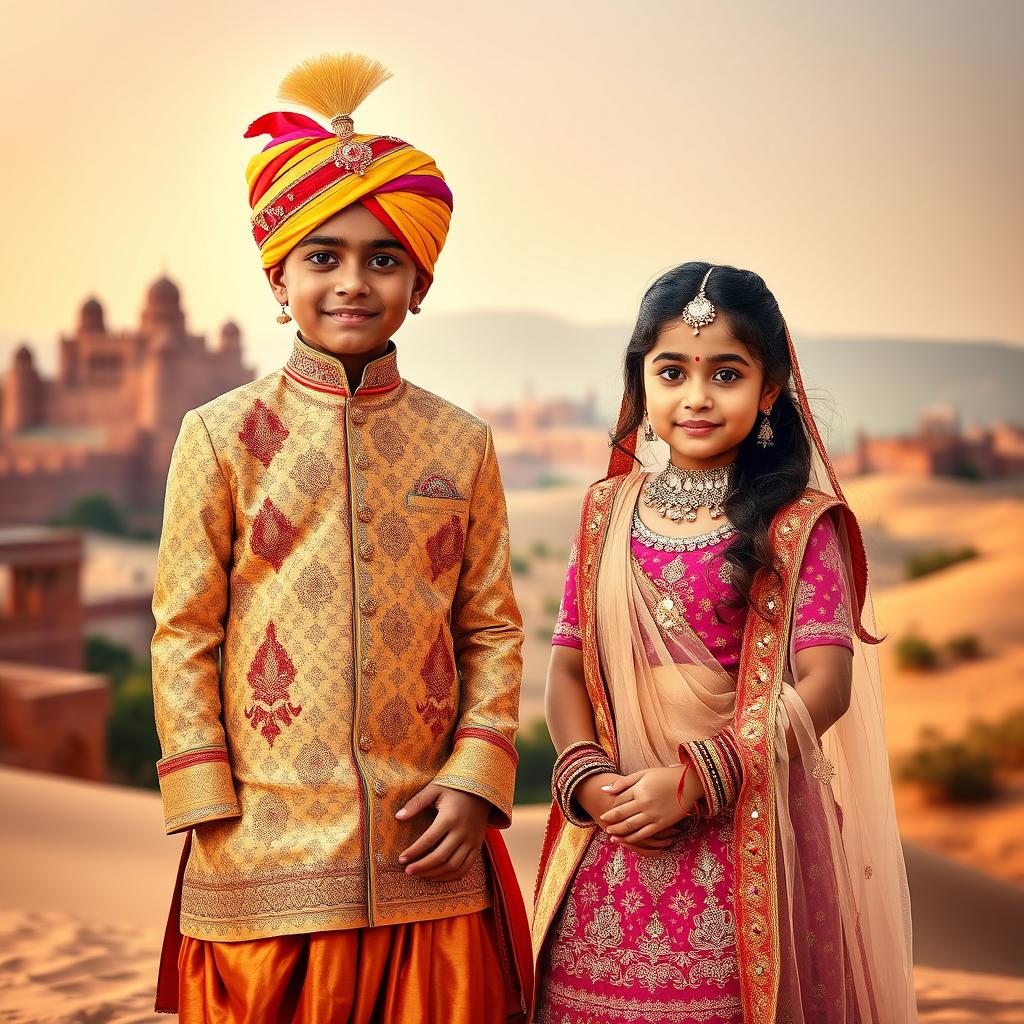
<point x="483" y="763"/>
<point x="196" y="786"/>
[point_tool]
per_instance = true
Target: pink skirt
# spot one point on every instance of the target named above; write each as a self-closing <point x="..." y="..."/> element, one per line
<point x="649" y="939"/>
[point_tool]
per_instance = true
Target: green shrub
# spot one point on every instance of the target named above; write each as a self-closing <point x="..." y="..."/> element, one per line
<point x="951" y="770"/>
<point x="552" y="606"/>
<point x="1002" y="740"/>
<point x="915" y="653"/>
<point x="132" y="744"/>
<point x="536" y="761"/>
<point x="540" y="549"/>
<point x="95" y="511"/>
<point x="964" y="647"/>
<point x="520" y="565"/>
<point x="934" y="561"/>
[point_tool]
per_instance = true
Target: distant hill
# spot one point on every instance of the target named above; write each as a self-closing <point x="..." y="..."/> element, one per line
<point x="876" y="384"/>
<point x="873" y="383"/>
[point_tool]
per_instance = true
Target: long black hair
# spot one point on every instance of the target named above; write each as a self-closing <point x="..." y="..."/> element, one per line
<point x="764" y="478"/>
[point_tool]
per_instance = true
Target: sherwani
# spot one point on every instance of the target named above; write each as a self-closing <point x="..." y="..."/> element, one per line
<point x="335" y="629"/>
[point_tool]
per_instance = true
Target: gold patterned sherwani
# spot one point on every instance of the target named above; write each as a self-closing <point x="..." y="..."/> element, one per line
<point x="335" y="629"/>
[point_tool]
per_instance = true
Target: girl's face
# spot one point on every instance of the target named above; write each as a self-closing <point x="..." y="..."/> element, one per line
<point x="349" y="284"/>
<point x="704" y="393"/>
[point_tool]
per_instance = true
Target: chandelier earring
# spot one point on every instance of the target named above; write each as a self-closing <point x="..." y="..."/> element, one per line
<point x="649" y="434"/>
<point x="766" y="436"/>
<point x="283" y="317"/>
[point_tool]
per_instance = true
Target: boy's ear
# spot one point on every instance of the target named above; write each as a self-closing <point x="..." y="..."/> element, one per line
<point x="420" y="288"/>
<point x="275" y="277"/>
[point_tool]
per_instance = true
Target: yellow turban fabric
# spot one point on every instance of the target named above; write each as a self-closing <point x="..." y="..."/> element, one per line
<point x="306" y="174"/>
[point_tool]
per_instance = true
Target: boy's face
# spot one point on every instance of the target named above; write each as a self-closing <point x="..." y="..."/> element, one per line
<point x="349" y="284"/>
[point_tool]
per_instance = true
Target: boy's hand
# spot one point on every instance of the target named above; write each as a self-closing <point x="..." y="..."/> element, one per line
<point x="648" y="803"/>
<point x="447" y="849"/>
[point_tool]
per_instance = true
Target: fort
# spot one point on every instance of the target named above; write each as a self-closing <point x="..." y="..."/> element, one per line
<point x="108" y="421"/>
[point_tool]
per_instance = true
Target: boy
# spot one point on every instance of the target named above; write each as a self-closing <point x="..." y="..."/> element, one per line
<point x="339" y="538"/>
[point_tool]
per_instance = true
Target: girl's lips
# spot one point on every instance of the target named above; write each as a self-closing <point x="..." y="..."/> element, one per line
<point x="698" y="430"/>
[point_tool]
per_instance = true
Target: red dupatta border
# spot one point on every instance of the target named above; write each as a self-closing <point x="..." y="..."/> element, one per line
<point x="763" y="659"/>
<point x="511" y="924"/>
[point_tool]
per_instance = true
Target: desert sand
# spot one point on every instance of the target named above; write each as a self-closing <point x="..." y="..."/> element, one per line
<point x="88" y="873"/>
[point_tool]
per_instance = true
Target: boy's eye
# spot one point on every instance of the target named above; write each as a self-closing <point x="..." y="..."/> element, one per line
<point x="730" y="379"/>
<point x="671" y="373"/>
<point x="383" y="260"/>
<point x="314" y="258"/>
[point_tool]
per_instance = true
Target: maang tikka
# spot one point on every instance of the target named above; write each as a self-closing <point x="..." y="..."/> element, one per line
<point x="699" y="312"/>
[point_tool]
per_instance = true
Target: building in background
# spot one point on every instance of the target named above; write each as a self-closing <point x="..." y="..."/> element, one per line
<point x="53" y="716"/>
<point x="108" y="421"/>
<point x="539" y="442"/>
<point x="940" y="447"/>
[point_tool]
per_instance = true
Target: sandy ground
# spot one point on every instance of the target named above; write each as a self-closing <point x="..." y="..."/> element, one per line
<point x="88" y="872"/>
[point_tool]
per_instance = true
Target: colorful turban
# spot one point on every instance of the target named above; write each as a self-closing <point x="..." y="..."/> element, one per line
<point x="306" y="174"/>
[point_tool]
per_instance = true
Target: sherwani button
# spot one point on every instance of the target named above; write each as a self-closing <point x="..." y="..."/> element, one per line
<point x="369" y="666"/>
<point x="365" y="743"/>
<point x="379" y="789"/>
<point x="357" y="416"/>
<point x="365" y="513"/>
<point x="362" y="461"/>
<point x="367" y="606"/>
<point x="366" y="552"/>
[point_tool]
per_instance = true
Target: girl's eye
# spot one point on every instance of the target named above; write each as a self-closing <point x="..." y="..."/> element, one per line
<point x="379" y="261"/>
<point x="321" y="263"/>
<point x="671" y="373"/>
<point x="727" y="380"/>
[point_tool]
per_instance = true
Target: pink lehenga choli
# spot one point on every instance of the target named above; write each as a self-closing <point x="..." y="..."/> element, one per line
<point x="790" y="906"/>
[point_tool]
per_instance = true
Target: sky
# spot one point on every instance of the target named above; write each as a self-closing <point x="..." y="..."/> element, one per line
<point x="861" y="157"/>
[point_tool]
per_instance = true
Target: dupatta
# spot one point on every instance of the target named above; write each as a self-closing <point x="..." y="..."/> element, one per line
<point x="822" y="906"/>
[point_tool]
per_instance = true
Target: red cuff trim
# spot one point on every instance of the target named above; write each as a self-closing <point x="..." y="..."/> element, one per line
<point x="190" y="758"/>
<point x="475" y="732"/>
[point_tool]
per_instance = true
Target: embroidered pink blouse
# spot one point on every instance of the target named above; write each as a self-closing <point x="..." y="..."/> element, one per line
<point x="701" y="578"/>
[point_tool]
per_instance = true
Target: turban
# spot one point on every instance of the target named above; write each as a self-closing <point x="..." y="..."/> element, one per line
<point x="307" y="173"/>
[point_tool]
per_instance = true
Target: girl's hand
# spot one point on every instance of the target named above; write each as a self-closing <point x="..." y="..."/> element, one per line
<point x="649" y="802"/>
<point x="593" y="798"/>
<point x="449" y="846"/>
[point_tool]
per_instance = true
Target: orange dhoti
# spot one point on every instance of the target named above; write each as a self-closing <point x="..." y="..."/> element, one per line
<point x="425" y="972"/>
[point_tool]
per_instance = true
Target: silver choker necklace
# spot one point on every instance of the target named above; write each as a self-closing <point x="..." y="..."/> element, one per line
<point x="677" y="493"/>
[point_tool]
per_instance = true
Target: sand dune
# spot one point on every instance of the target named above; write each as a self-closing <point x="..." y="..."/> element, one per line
<point x="88" y="874"/>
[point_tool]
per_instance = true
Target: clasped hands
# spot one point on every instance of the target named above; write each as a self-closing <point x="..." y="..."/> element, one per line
<point x="641" y="811"/>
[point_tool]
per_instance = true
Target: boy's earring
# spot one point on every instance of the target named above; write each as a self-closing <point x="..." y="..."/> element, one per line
<point x="283" y="317"/>
<point x="414" y="310"/>
<point x="649" y="434"/>
<point x="766" y="436"/>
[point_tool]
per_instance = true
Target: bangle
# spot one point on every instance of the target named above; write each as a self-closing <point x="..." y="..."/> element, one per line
<point x="718" y="767"/>
<point x="577" y="762"/>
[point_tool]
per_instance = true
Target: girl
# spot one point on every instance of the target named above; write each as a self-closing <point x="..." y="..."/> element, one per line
<point x="723" y="845"/>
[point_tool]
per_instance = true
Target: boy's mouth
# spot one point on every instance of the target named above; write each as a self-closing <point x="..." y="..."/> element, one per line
<point x="350" y="316"/>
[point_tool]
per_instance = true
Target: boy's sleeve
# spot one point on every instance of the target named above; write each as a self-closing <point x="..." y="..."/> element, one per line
<point x="190" y="600"/>
<point x="487" y="631"/>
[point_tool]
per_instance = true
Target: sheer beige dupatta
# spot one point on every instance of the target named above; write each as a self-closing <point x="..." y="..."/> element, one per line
<point x="665" y="686"/>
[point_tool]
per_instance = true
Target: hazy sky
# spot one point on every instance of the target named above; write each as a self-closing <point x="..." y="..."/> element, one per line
<point x="862" y="157"/>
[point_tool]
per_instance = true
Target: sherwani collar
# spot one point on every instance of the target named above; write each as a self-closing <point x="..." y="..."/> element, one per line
<point x="321" y="371"/>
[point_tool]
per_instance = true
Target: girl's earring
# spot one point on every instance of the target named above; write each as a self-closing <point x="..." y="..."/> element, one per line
<point x="283" y="317"/>
<point x="649" y="434"/>
<point x="766" y="436"/>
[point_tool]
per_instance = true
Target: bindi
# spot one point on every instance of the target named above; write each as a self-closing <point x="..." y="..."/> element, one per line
<point x="696" y="359"/>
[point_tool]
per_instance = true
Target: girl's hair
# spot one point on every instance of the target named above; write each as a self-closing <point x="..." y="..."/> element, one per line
<point x="764" y="479"/>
